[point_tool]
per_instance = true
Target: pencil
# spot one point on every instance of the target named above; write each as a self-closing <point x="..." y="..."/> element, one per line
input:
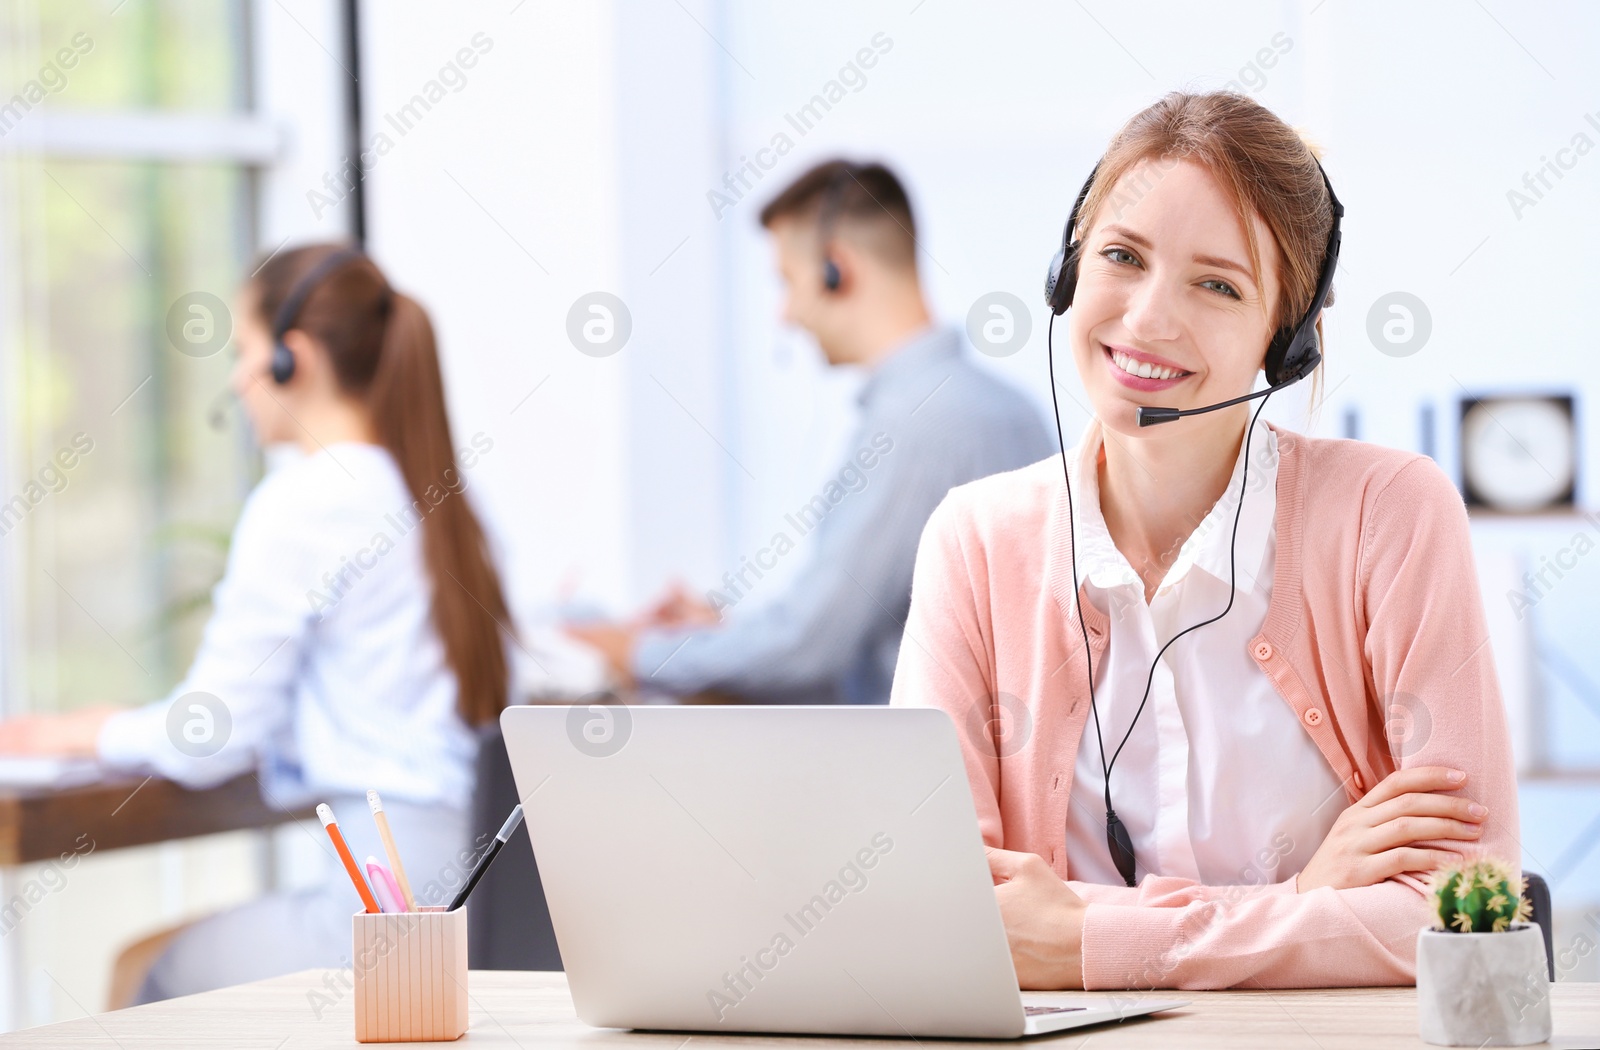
<point x="398" y="869"/>
<point x="325" y="814"/>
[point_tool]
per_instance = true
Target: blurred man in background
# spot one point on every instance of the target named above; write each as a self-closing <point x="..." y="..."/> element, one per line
<point x="846" y="247"/>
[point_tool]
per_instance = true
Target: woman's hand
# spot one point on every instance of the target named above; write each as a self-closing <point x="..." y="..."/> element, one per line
<point x="72" y="735"/>
<point x="1043" y="919"/>
<point x="1373" y="839"/>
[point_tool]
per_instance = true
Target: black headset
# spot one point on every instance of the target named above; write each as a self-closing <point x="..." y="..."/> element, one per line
<point x="1294" y="351"/>
<point x="1291" y="356"/>
<point x="282" y="368"/>
<point x="827" y="218"/>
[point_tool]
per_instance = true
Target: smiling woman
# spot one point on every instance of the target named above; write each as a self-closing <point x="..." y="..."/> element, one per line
<point x="1200" y="254"/>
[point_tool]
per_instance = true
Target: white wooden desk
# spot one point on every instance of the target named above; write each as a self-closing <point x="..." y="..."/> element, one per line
<point x="525" y="1010"/>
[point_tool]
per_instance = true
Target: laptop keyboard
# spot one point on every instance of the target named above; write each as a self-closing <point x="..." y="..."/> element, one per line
<point x="1035" y="1011"/>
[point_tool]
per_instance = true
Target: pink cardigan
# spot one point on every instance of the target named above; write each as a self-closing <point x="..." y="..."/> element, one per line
<point x="1375" y="616"/>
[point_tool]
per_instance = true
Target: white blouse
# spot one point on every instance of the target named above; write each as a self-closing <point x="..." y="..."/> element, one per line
<point x="327" y="673"/>
<point x="1218" y="782"/>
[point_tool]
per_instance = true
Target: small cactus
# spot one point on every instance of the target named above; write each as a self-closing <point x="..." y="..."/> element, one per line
<point x="1480" y="896"/>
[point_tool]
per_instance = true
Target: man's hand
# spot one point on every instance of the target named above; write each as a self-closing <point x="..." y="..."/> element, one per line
<point x="1373" y="840"/>
<point x="72" y="735"/>
<point x="615" y="643"/>
<point x="678" y="607"/>
<point x="1043" y="919"/>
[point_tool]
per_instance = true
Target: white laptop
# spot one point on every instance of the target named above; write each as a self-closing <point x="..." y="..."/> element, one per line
<point x="774" y="869"/>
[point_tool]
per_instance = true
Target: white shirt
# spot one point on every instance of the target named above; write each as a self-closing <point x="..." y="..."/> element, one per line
<point x="320" y="648"/>
<point x="1218" y="782"/>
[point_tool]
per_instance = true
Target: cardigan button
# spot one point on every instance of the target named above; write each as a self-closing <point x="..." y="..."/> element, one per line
<point x="1313" y="716"/>
<point x="1263" y="651"/>
<point x="1359" y="781"/>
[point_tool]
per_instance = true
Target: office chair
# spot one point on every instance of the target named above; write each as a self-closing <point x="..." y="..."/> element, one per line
<point x="508" y="922"/>
<point x="1537" y="894"/>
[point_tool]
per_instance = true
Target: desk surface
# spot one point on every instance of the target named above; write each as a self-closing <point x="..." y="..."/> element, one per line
<point x="42" y="823"/>
<point x="511" y="1009"/>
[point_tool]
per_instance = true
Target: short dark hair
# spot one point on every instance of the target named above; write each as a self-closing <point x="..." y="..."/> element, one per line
<point x="867" y="198"/>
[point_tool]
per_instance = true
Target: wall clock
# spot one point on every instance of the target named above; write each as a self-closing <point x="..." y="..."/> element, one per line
<point x="1519" y="453"/>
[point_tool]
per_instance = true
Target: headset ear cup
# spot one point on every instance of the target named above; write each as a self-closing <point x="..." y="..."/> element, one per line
<point x="1061" y="280"/>
<point x="831" y="278"/>
<point x="1290" y="358"/>
<point x="1069" y="278"/>
<point x="1052" y="277"/>
<point x="1276" y="351"/>
<point x="282" y="363"/>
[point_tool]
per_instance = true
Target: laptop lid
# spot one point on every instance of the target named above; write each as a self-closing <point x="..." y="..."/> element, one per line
<point x="770" y="869"/>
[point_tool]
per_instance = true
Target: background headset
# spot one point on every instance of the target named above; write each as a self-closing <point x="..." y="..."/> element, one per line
<point x="282" y="368"/>
<point x="827" y="218"/>
<point x="1293" y="354"/>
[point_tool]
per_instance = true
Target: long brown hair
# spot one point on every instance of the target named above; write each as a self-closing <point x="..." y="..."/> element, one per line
<point x="1262" y="164"/>
<point x="382" y="349"/>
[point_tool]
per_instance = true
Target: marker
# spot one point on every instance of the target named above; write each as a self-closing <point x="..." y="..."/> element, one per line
<point x="325" y="814"/>
<point x="383" y="886"/>
<point x="488" y="858"/>
<point x="395" y="866"/>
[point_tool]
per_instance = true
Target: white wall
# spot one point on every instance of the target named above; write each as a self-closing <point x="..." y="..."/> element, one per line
<point x="499" y="208"/>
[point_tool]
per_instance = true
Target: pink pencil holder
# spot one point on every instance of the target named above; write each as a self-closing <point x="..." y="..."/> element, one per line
<point x="410" y="976"/>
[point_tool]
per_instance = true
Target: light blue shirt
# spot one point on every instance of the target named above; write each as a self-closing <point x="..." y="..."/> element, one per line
<point x="930" y="420"/>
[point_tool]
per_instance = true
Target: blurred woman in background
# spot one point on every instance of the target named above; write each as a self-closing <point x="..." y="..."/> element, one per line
<point x="354" y="641"/>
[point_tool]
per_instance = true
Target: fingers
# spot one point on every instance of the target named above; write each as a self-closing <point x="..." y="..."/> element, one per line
<point x="1393" y="862"/>
<point x="1002" y="864"/>
<point x="1415" y="778"/>
<point x="1407" y="830"/>
<point x="1005" y="864"/>
<point x="1427" y="804"/>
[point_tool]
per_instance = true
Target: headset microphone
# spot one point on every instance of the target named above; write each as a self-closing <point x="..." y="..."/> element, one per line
<point x="1149" y="416"/>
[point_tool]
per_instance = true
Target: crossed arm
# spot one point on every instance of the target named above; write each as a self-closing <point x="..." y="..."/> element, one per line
<point x="1352" y="915"/>
<point x="1174" y="932"/>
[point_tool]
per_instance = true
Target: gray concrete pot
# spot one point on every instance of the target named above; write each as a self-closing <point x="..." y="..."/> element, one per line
<point x="1483" y="989"/>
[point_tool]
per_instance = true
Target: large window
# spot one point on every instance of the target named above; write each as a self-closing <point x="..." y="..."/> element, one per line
<point x="127" y="158"/>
